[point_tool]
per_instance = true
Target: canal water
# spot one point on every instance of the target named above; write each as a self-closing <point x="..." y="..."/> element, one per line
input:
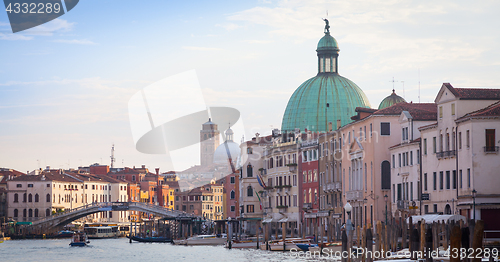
<point x="120" y="249"/>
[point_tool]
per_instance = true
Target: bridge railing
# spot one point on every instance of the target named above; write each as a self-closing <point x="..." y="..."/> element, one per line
<point x="65" y="212"/>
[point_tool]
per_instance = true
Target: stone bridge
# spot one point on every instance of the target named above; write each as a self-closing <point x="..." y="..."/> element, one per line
<point x="58" y="220"/>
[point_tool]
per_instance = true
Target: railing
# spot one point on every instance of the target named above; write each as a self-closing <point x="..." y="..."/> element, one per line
<point x="307" y="205"/>
<point x="446" y="154"/>
<point x="354" y="195"/>
<point x="491" y="149"/>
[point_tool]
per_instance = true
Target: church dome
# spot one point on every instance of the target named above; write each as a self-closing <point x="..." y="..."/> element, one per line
<point x="391" y="100"/>
<point x="221" y="153"/>
<point x="325" y="98"/>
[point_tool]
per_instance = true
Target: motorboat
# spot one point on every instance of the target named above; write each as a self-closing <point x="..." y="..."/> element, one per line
<point x="290" y="243"/>
<point x="152" y="239"/>
<point x="243" y="243"/>
<point x="79" y="239"/>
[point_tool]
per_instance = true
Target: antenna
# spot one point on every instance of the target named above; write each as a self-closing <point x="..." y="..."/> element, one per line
<point x="393" y="81"/>
<point x="403" y="89"/>
<point x="113" y="156"/>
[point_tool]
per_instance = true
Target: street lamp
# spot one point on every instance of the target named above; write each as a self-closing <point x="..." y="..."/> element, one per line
<point x="385" y="198"/>
<point x="348" y="225"/>
<point x="474" y="192"/>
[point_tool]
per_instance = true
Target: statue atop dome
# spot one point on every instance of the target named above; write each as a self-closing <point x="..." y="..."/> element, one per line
<point x="327" y="26"/>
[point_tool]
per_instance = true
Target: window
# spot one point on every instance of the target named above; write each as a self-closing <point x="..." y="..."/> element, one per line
<point x="250" y="209"/>
<point x="435" y="208"/>
<point x="399" y="159"/>
<point x="460" y="178"/>
<point x="447" y="179"/>
<point x="385" y="129"/>
<point x="425" y="146"/>
<point x="47" y="212"/>
<point x="249" y="191"/>
<point x="468" y="177"/>
<point x="249" y="150"/>
<point x="452" y="109"/>
<point x="426" y="209"/>
<point x="16" y="199"/>
<point x="425" y="181"/>
<point x="30" y="198"/>
<point x="233" y="208"/>
<point x="467" y="139"/>
<point x="434" y="145"/>
<point x="37" y="198"/>
<point x="370" y="130"/>
<point x="441" y="180"/>
<point x="232" y="194"/>
<point x="19" y="185"/>
<point x="30" y="185"/>
<point x="454" y="181"/>
<point x="411" y="191"/>
<point x="294" y="200"/>
<point x="459" y="140"/>
<point x="434" y="181"/>
<point x="386" y="175"/>
<point x="249" y="171"/>
<point x="440" y="112"/>
<point x="16" y="212"/>
<point x="411" y="158"/>
<point x="393" y="161"/>
<point x="490" y="140"/>
<point x="418" y="156"/>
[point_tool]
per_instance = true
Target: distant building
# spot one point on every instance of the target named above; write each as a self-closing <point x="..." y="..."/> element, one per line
<point x="209" y="141"/>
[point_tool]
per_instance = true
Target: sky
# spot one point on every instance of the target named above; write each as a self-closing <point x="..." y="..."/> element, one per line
<point x="65" y="86"/>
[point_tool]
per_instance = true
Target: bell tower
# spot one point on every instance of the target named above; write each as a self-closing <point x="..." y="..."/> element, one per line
<point x="209" y="141"/>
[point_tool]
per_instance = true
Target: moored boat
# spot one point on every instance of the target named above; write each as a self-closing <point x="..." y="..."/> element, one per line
<point x="154" y="239"/>
<point x="79" y="239"/>
<point x="243" y="243"/>
<point x="206" y="240"/>
<point x="290" y="243"/>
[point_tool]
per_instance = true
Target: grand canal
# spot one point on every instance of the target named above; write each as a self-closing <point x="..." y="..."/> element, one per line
<point x="121" y="250"/>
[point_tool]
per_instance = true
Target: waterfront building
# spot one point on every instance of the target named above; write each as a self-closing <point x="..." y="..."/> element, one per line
<point x="6" y="174"/>
<point x="251" y="184"/>
<point x="460" y="154"/>
<point x="280" y="173"/>
<point x="366" y="159"/>
<point x="330" y="184"/>
<point x="309" y="184"/>
<point x="406" y="164"/>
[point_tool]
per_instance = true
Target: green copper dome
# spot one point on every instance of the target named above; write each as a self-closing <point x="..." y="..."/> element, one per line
<point x="327" y="42"/>
<point x="325" y="98"/>
<point x="391" y="100"/>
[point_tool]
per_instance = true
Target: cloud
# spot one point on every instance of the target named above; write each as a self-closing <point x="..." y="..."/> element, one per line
<point x="48" y="29"/>
<point x="11" y="36"/>
<point x="228" y="26"/>
<point x="75" y="41"/>
<point x="201" y="48"/>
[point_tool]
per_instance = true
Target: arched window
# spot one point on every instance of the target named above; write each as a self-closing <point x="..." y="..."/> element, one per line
<point x="30" y="213"/>
<point x="36" y="198"/>
<point x="24" y="198"/>
<point x="386" y="175"/>
<point x="447" y="209"/>
<point x="16" y="198"/>
<point x="47" y="212"/>
<point x="249" y="191"/>
<point x="30" y="198"/>
<point x="16" y="212"/>
<point x="249" y="171"/>
<point x="232" y="194"/>
<point x="47" y="198"/>
<point x="24" y="212"/>
<point x="36" y="212"/>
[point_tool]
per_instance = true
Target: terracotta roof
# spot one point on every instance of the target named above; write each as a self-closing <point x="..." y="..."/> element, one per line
<point x="419" y="111"/>
<point x="128" y="170"/>
<point x="474" y="93"/>
<point x="47" y="177"/>
<point x="364" y="109"/>
<point x="5" y="173"/>
<point x="491" y="110"/>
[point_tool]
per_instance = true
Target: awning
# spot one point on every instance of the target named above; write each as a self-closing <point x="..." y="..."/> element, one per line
<point x="267" y="220"/>
<point x="252" y="218"/>
<point x="429" y="219"/>
<point x="283" y="220"/>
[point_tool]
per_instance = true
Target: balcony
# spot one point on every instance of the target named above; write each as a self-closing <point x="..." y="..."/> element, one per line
<point x="446" y="154"/>
<point x="338" y="186"/>
<point x="292" y="167"/>
<point x="402" y="205"/>
<point x="354" y="195"/>
<point x="282" y="208"/>
<point x="307" y="206"/>
<point x="491" y="149"/>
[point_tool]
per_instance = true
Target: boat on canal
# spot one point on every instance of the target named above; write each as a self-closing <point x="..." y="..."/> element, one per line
<point x="150" y="239"/>
<point x="79" y="239"/>
<point x="207" y="240"/>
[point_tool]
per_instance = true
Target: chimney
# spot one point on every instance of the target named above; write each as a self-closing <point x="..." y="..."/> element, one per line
<point x="330" y="126"/>
<point x="143" y="166"/>
<point x="338" y="124"/>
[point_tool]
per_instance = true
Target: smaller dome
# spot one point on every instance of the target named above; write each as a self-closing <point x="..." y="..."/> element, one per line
<point x="327" y="42"/>
<point x="391" y="100"/>
<point x="220" y="154"/>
